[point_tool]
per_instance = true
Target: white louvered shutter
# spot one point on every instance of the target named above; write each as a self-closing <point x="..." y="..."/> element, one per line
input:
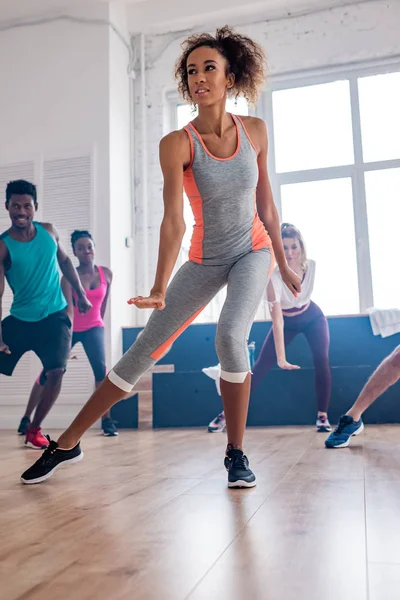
<point x="66" y="203"/>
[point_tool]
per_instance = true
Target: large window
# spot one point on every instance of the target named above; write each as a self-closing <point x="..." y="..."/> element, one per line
<point x="313" y="127"/>
<point x="380" y="118"/>
<point x="323" y="211"/>
<point x="335" y="170"/>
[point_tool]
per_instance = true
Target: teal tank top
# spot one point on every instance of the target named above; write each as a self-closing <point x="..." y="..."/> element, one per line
<point x="33" y="276"/>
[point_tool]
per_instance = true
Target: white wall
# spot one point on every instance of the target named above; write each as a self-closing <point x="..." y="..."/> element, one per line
<point x="338" y="36"/>
<point x="65" y="92"/>
<point x="121" y="175"/>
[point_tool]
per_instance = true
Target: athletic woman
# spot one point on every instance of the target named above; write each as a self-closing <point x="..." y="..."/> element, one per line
<point x="221" y="162"/>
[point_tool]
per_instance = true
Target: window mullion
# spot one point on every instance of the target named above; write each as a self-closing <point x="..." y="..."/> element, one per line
<point x="360" y="205"/>
<point x="266" y="113"/>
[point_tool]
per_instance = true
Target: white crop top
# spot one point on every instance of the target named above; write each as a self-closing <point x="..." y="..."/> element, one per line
<point x="285" y="296"/>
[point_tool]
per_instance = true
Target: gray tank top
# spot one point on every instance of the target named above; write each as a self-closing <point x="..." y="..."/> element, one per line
<point x="222" y="194"/>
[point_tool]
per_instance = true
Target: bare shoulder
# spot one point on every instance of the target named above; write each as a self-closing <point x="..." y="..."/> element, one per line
<point x="174" y="140"/>
<point x="51" y="229"/>
<point x="255" y="123"/>
<point x="175" y="147"/>
<point x="107" y="273"/>
<point x="3" y="251"/>
<point x="257" y="131"/>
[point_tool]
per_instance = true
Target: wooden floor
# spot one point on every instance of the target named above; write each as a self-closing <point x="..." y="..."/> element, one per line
<point x="148" y="516"/>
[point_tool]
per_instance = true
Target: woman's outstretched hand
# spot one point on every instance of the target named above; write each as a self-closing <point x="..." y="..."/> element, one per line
<point x="154" y="300"/>
<point x="284" y="364"/>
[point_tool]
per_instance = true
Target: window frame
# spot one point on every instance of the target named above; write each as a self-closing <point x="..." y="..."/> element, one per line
<point x="356" y="171"/>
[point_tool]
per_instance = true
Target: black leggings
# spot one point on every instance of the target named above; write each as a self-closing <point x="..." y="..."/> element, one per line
<point x="314" y="325"/>
<point x="92" y="341"/>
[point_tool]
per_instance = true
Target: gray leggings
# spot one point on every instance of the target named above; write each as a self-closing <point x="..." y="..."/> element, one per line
<point x="192" y="288"/>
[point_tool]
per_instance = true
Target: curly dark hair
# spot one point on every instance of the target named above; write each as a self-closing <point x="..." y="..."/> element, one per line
<point x="21" y="187"/>
<point x="245" y="58"/>
<point x="78" y="234"/>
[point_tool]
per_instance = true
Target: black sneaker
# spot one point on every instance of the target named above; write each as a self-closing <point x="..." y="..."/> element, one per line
<point x="51" y="459"/>
<point x="237" y="465"/>
<point x="24" y="425"/>
<point x="108" y="426"/>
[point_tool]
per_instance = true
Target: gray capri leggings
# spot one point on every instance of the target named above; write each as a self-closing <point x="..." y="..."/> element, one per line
<point x="192" y="288"/>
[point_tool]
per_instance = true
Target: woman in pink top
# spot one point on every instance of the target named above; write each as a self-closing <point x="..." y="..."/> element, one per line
<point x="88" y="328"/>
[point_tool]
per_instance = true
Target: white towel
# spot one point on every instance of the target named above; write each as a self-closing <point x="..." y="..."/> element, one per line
<point x="384" y="322"/>
<point x="214" y="373"/>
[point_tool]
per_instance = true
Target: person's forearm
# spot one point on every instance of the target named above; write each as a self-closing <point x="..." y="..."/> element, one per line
<point x="278" y="325"/>
<point x="70" y="313"/>
<point x="171" y="235"/>
<point x="270" y="218"/>
<point x="71" y="275"/>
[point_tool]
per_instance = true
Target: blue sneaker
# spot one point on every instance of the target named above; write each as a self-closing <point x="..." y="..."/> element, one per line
<point x="346" y="428"/>
<point x="108" y="426"/>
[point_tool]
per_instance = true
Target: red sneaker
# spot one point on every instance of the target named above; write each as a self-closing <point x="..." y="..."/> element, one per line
<point x="35" y="439"/>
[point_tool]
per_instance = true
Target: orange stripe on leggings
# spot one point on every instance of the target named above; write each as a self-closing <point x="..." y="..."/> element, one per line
<point x="157" y="354"/>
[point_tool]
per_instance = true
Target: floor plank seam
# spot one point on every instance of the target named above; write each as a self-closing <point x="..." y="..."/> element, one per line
<point x="366" y="528"/>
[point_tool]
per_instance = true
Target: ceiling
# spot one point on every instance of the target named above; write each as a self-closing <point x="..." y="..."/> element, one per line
<point x="162" y="16"/>
<point x="158" y="16"/>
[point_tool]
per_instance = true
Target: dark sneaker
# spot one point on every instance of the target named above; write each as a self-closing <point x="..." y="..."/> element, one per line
<point x="323" y="425"/>
<point x="24" y="425"/>
<point x="346" y="428"/>
<point x="51" y="459"/>
<point x="108" y="426"/>
<point x="239" y="474"/>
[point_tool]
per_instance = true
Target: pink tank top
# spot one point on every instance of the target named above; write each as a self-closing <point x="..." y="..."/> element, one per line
<point x="83" y="322"/>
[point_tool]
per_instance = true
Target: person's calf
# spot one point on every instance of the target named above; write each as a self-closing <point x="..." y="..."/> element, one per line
<point x="235" y="397"/>
<point x="50" y="393"/>
<point x="395" y="362"/>
<point x="386" y="375"/>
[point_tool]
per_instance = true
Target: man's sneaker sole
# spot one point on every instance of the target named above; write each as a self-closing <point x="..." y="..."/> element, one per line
<point x="212" y="430"/>
<point x="110" y="434"/>
<point x="242" y="484"/>
<point x="30" y="445"/>
<point x="70" y="461"/>
<point x="324" y="429"/>
<point x="347" y="442"/>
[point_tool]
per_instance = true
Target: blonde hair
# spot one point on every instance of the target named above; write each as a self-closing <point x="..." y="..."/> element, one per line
<point x="290" y="231"/>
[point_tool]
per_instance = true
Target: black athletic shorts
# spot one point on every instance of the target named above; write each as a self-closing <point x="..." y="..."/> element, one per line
<point x="49" y="338"/>
<point x="92" y="341"/>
